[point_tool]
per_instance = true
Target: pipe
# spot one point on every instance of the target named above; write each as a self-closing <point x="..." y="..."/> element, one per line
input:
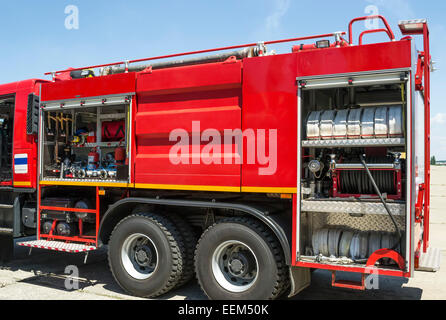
<point x="196" y="52"/>
<point x="219" y="57"/>
<point x="351" y="96"/>
<point x="370" y="166"/>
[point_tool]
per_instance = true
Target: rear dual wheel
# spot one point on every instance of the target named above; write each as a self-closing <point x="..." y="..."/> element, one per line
<point x="236" y="258"/>
<point x="240" y="258"/>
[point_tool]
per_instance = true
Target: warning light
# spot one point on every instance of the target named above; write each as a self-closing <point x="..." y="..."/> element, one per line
<point x="412" y="26"/>
<point x="321" y="44"/>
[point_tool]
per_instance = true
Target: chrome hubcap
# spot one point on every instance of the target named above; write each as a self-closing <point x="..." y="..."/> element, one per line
<point x="139" y="256"/>
<point x="234" y="266"/>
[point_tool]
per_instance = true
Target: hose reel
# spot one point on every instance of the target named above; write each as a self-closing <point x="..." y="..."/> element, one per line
<point x="350" y="178"/>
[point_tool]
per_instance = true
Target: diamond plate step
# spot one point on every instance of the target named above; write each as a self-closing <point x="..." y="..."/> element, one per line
<point x="352" y="207"/>
<point x="430" y="261"/>
<point x="6" y="230"/>
<point x="57" y="246"/>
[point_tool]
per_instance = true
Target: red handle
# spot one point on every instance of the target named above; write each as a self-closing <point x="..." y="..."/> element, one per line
<point x="388" y="29"/>
<point x="373" y="31"/>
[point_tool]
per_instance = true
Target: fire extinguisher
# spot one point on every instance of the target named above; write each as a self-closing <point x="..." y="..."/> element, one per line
<point x="120" y="154"/>
<point x="93" y="159"/>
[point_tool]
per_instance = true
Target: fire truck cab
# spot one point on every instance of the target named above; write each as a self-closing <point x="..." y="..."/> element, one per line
<point x="247" y="168"/>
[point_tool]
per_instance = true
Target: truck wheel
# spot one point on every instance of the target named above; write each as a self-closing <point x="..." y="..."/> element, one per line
<point x="239" y="258"/>
<point x="190" y="241"/>
<point x="146" y="254"/>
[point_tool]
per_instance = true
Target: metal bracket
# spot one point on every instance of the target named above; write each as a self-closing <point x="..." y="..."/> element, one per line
<point x="209" y="219"/>
<point x="338" y="37"/>
<point x="147" y="70"/>
<point x="260" y="50"/>
<point x="231" y="59"/>
<point x="300" y="279"/>
<point x="127" y="62"/>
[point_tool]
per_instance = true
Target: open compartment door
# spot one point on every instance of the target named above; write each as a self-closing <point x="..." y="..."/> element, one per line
<point x="355" y="146"/>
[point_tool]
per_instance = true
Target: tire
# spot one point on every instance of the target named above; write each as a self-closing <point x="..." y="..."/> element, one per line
<point x="190" y="241"/>
<point x="240" y="258"/>
<point x="155" y="236"/>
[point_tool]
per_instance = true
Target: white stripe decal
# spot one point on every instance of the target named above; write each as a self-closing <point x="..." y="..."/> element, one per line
<point x="21" y="163"/>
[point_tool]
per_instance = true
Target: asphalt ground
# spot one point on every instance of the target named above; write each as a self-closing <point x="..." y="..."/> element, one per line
<point x="42" y="275"/>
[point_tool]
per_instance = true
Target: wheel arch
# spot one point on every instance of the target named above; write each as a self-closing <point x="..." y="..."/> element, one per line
<point x="278" y="223"/>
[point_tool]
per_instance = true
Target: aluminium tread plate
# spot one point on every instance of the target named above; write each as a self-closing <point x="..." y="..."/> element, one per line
<point x="6" y="230"/>
<point x="95" y="144"/>
<point x="58" y="246"/>
<point x="430" y="261"/>
<point x="354" y="207"/>
<point x="84" y="180"/>
<point x="354" y="142"/>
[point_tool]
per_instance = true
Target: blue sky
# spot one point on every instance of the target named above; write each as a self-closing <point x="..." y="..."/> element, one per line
<point x="35" y="39"/>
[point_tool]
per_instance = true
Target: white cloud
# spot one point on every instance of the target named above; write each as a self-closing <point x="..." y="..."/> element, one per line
<point x="439" y="118"/>
<point x="438" y="147"/>
<point x="274" y="19"/>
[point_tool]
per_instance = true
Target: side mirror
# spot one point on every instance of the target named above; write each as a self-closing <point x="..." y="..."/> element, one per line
<point x="32" y="115"/>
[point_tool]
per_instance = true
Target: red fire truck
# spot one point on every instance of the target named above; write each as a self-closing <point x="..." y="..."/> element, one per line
<point x="247" y="168"/>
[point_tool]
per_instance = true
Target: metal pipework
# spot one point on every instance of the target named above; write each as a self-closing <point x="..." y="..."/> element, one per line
<point x="369" y="165"/>
<point x="219" y="57"/>
<point x="338" y="34"/>
<point x="395" y="165"/>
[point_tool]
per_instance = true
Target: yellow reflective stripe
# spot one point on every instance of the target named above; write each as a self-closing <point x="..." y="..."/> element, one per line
<point x="174" y="187"/>
<point x="215" y="188"/>
<point x="186" y="187"/>
<point x="269" y="190"/>
<point x="22" y="183"/>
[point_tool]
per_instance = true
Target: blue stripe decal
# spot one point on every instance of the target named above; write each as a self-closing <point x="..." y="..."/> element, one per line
<point x="18" y="161"/>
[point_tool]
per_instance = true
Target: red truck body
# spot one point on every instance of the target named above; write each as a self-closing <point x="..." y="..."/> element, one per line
<point x="216" y="95"/>
<point x="255" y="93"/>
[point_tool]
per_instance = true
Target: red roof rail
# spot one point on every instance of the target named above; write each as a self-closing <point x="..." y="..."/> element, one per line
<point x="388" y="29"/>
<point x="373" y="31"/>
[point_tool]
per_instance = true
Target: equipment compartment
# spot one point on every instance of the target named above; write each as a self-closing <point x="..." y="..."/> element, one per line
<point x="353" y="177"/>
<point x="86" y="143"/>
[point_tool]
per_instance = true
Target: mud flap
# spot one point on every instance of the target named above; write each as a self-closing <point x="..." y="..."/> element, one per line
<point x="6" y="247"/>
<point x="300" y="279"/>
